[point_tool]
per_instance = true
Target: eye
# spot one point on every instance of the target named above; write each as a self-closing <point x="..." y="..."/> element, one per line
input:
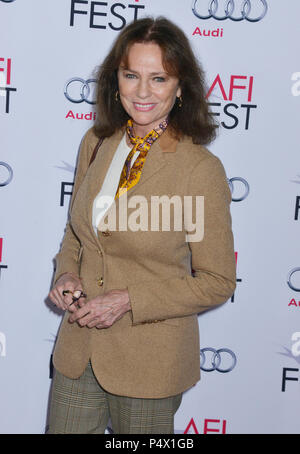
<point x="159" y="79"/>
<point x="129" y="76"/>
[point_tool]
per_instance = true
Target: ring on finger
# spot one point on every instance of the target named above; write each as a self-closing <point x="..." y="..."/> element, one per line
<point x="76" y="298"/>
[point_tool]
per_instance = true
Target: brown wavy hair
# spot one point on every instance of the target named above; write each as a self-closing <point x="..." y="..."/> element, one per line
<point x="193" y="117"/>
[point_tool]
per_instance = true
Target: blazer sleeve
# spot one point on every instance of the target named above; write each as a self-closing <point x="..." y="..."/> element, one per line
<point x="67" y="259"/>
<point x="212" y="259"/>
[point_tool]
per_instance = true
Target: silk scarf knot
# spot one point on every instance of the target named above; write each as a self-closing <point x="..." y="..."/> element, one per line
<point x="131" y="175"/>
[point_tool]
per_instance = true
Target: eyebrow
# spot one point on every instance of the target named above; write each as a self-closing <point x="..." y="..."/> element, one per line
<point x="136" y="72"/>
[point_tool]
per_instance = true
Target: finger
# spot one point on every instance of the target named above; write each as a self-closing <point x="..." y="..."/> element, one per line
<point x="70" y="291"/>
<point x="95" y="308"/>
<point x="102" y="325"/>
<point x="110" y="319"/>
<point x="79" y="313"/>
<point x="106" y="323"/>
<point x="53" y="299"/>
<point x="78" y="300"/>
<point x="88" y="316"/>
<point x="81" y="302"/>
<point x="106" y="320"/>
<point x="77" y="295"/>
<point x="101" y="322"/>
<point x="65" y="298"/>
<point x="56" y="298"/>
<point x="86" y="320"/>
<point x="76" y="304"/>
<point x="73" y="306"/>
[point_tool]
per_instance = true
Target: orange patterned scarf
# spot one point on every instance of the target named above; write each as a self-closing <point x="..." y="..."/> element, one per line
<point x="131" y="175"/>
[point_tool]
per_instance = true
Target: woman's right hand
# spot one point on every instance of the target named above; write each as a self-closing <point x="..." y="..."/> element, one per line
<point x="70" y="282"/>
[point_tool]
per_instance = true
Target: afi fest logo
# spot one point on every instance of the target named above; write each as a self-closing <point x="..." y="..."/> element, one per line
<point x="231" y="100"/>
<point x="1" y="248"/>
<point x="66" y="184"/>
<point x="297" y="181"/>
<point x="5" y="82"/>
<point x="291" y="374"/>
<point x="102" y="16"/>
<point x="216" y="426"/>
<point x="238" y="279"/>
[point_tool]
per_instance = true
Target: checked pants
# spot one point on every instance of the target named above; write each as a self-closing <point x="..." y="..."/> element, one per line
<point x="82" y="406"/>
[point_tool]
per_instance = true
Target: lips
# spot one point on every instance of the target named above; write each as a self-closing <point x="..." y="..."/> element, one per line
<point x="143" y="107"/>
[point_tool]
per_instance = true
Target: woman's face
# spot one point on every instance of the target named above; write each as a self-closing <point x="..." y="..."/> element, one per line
<point x="147" y="92"/>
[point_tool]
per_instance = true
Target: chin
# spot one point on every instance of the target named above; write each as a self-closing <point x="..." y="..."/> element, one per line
<point x="142" y="121"/>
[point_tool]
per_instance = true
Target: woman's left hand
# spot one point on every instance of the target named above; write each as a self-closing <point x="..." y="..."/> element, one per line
<point x="102" y="311"/>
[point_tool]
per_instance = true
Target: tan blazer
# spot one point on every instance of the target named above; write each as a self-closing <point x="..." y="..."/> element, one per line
<point x="153" y="351"/>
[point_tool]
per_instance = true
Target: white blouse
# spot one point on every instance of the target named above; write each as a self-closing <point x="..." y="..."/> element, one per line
<point x="106" y="195"/>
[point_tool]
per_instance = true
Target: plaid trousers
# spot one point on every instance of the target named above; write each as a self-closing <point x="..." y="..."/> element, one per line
<point x="82" y="406"/>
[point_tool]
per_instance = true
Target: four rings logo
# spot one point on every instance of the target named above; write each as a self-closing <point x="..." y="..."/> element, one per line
<point x="225" y="363"/>
<point x="289" y="280"/>
<point x="244" y="184"/>
<point x="229" y="10"/>
<point x="78" y="90"/>
<point x="4" y="181"/>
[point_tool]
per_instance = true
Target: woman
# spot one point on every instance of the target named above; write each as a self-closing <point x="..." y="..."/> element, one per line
<point x="129" y="345"/>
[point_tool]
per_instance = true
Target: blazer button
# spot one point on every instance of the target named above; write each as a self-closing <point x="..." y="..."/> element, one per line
<point x="100" y="281"/>
<point x="106" y="233"/>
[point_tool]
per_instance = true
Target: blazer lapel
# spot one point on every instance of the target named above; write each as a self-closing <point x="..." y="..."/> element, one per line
<point x="98" y="171"/>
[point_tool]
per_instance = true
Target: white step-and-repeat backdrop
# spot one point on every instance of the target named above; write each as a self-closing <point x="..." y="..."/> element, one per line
<point x="250" y="347"/>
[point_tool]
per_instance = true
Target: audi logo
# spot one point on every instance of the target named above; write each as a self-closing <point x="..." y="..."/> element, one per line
<point x="230" y="7"/>
<point x="10" y="174"/>
<point x="244" y="183"/>
<point x="79" y="91"/>
<point x="289" y="280"/>
<point x="217" y="359"/>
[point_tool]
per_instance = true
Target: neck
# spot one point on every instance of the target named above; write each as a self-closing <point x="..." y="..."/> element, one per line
<point x="142" y="131"/>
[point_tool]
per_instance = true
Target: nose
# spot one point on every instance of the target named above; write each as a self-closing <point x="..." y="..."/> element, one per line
<point x="143" y="89"/>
